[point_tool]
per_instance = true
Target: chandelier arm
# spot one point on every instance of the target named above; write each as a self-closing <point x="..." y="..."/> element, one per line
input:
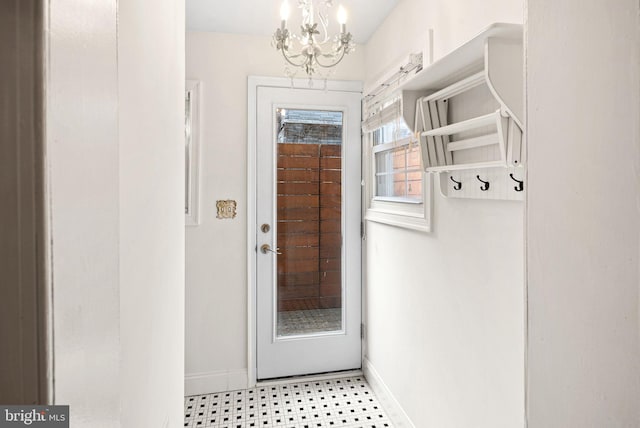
<point x="325" y="45"/>
<point x="324" y="21"/>
<point x="289" y="59"/>
<point x="342" y="54"/>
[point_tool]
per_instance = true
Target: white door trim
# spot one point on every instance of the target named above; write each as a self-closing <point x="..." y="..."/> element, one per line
<point x="253" y="83"/>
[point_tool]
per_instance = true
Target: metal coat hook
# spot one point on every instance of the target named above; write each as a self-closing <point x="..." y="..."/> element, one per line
<point x="520" y="186"/>
<point x="485" y="184"/>
<point x="458" y="184"/>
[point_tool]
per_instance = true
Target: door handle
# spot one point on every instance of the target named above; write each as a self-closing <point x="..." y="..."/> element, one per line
<point x="266" y="248"/>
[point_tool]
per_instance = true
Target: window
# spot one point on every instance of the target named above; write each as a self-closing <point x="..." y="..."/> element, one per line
<point x="397" y="163"/>
<point x="192" y="154"/>
<point x="398" y="190"/>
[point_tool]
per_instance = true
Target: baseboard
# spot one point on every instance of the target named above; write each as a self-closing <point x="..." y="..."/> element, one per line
<point x="311" y="378"/>
<point x="391" y="406"/>
<point x="218" y="381"/>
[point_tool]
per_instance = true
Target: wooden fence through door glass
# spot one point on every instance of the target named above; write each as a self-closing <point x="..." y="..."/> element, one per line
<point x="309" y="221"/>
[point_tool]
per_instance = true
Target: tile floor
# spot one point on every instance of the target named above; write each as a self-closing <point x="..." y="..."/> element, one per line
<point x="340" y="402"/>
<point x="291" y="323"/>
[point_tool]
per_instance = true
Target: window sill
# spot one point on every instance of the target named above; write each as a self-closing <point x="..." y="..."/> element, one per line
<point x="407" y="213"/>
<point x="397" y="199"/>
<point x="406" y="220"/>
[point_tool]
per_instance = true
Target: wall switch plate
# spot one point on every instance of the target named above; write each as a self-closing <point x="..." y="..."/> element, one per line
<point x="226" y="209"/>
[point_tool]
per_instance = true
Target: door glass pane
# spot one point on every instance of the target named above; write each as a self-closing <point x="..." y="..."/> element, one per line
<point x="309" y="221"/>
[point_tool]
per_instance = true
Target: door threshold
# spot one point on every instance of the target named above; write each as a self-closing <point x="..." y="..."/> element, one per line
<point x="310" y="378"/>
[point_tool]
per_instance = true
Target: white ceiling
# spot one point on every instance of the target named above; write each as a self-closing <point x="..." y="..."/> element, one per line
<point x="262" y="17"/>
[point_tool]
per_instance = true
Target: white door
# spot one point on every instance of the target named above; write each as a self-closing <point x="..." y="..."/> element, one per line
<point x="307" y="231"/>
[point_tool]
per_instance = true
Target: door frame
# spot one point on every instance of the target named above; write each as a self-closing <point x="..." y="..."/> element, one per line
<point x="254" y="82"/>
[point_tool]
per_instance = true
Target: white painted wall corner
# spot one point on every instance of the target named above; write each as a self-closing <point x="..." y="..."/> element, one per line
<point x="391" y="406"/>
<point x="216" y="381"/>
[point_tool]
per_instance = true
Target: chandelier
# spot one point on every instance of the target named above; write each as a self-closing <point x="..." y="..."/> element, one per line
<point x="314" y="46"/>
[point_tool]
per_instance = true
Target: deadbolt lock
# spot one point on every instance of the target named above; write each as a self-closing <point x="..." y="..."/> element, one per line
<point x="265" y="228"/>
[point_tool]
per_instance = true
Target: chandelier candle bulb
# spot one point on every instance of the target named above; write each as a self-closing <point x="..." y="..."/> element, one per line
<point x="342" y="19"/>
<point x="284" y="13"/>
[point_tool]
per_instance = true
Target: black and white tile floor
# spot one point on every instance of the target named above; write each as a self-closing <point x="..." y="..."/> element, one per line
<point x="291" y="323"/>
<point x="343" y="402"/>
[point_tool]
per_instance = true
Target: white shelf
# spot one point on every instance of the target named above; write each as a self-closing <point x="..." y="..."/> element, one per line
<point x="492" y="60"/>
<point x="490" y="142"/>
<point x="461" y="62"/>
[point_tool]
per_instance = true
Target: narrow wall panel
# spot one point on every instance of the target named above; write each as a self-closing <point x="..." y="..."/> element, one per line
<point x="583" y="213"/>
<point x="82" y="168"/>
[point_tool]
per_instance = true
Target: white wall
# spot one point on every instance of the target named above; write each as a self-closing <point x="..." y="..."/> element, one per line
<point x="583" y="231"/>
<point x="445" y="310"/>
<point x="216" y="293"/>
<point x="151" y="118"/>
<point x="82" y="150"/>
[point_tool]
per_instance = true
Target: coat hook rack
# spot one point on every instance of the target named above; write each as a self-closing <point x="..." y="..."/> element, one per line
<point x="458" y="184"/>
<point x="485" y="184"/>
<point x="520" y="186"/>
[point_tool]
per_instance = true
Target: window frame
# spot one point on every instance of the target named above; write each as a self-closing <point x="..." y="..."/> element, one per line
<point x="395" y="211"/>
<point x="192" y="150"/>
<point x="404" y="143"/>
